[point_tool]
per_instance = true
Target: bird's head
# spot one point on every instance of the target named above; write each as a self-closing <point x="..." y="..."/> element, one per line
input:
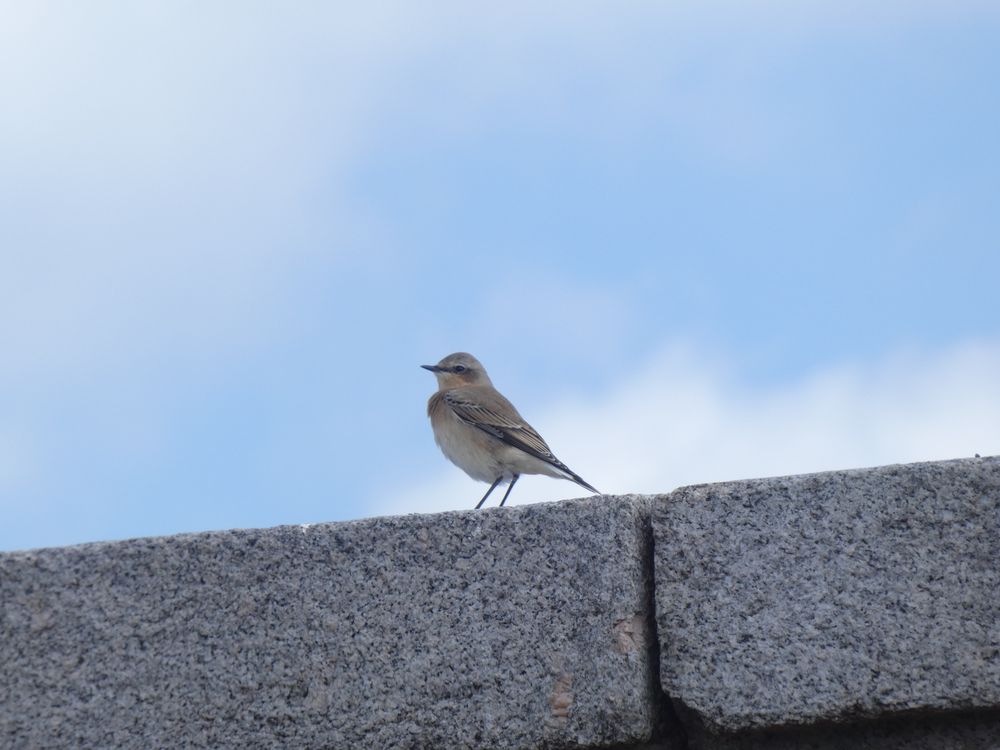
<point x="457" y="370"/>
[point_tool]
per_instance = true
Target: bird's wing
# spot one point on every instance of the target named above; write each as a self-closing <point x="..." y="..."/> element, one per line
<point x="487" y="410"/>
<point x="493" y="414"/>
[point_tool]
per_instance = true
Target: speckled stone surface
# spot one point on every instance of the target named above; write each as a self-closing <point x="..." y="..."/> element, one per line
<point x="832" y="597"/>
<point x="521" y="627"/>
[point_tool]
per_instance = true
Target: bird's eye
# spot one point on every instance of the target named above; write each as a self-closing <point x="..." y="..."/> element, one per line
<point x="458" y="368"/>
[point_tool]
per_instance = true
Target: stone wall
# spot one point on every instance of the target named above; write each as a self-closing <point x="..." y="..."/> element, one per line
<point x="856" y="609"/>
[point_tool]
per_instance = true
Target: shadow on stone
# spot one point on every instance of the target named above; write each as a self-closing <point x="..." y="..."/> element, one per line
<point x="955" y="730"/>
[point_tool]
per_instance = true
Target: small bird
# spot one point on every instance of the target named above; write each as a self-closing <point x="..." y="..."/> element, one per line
<point x="481" y="432"/>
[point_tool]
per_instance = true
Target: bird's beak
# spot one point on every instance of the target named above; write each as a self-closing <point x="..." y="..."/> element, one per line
<point x="432" y="368"/>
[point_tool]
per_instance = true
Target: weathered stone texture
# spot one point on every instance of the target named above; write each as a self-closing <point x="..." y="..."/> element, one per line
<point x="520" y="627"/>
<point x="840" y="611"/>
<point x="832" y="597"/>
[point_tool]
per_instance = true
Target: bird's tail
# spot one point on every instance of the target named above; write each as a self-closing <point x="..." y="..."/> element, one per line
<point x="566" y="473"/>
<point x="579" y="480"/>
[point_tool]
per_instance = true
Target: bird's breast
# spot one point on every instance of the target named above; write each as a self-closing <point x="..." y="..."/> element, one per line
<point x="470" y="449"/>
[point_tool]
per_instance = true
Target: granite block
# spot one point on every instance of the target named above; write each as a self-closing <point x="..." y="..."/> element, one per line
<point x="519" y="627"/>
<point x="834" y="597"/>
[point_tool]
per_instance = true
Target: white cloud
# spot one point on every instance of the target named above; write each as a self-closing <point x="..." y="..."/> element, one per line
<point x="161" y="161"/>
<point x="160" y="172"/>
<point x="684" y="420"/>
<point x="164" y="164"/>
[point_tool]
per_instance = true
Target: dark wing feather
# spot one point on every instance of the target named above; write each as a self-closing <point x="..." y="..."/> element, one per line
<point x="501" y="420"/>
<point x="490" y="412"/>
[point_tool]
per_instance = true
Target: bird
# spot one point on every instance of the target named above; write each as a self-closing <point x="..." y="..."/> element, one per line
<point x="482" y="433"/>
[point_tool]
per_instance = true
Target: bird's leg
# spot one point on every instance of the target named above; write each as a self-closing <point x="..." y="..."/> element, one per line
<point x="492" y="487"/>
<point x="509" y="488"/>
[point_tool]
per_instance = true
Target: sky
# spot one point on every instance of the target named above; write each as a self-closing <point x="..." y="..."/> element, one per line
<point x="693" y="242"/>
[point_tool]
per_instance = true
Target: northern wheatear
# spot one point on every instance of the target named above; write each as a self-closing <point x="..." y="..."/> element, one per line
<point x="481" y="432"/>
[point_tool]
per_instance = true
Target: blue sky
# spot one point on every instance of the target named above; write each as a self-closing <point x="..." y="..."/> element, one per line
<point x="693" y="242"/>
